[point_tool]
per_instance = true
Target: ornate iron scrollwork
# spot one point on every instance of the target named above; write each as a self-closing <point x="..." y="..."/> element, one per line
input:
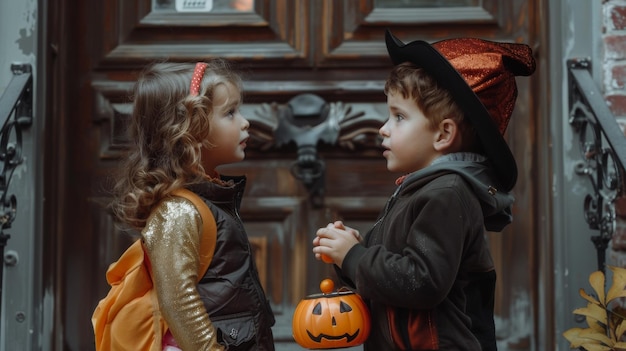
<point x="603" y="151"/>
<point x="17" y="114"/>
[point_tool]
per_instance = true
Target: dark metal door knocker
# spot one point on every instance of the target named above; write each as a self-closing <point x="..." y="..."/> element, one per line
<point x="306" y="121"/>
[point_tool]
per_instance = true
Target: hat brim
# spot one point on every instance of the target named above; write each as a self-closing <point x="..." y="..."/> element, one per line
<point x="423" y="55"/>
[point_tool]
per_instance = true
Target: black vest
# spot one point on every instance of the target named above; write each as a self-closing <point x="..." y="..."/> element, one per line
<point x="231" y="289"/>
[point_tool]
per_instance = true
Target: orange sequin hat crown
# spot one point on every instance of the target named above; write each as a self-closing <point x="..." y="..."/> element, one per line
<point x="480" y="76"/>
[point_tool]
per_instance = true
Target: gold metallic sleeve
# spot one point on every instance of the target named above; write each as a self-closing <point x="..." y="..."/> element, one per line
<point x="172" y="240"/>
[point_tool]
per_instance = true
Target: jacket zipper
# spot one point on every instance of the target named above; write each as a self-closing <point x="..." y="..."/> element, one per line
<point x="388" y="205"/>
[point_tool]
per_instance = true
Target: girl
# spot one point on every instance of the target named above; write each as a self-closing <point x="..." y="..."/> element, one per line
<point x="186" y="123"/>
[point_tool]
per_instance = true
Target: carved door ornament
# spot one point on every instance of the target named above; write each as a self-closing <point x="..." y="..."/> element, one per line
<point x="306" y="120"/>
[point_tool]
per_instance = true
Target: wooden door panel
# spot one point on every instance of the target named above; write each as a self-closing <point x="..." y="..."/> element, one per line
<point x="483" y="12"/>
<point x="353" y="29"/>
<point x="136" y="32"/>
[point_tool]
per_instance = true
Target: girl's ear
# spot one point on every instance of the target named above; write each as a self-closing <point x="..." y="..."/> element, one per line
<point x="448" y="137"/>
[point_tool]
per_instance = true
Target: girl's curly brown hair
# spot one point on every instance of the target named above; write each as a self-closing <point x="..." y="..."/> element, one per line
<point x="168" y="129"/>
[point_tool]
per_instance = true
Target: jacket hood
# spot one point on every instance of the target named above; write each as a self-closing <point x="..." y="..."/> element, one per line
<point x="495" y="204"/>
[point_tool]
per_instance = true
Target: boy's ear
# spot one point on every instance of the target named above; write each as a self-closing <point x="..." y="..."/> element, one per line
<point x="447" y="138"/>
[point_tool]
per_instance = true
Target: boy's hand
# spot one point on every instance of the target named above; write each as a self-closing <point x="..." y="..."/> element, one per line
<point x="333" y="242"/>
<point x="340" y="225"/>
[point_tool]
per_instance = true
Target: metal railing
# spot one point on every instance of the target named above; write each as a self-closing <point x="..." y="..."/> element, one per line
<point x="16" y="114"/>
<point x="603" y="150"/>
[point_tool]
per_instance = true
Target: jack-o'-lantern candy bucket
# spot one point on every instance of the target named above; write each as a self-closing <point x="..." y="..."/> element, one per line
<point x="331" y="320"/>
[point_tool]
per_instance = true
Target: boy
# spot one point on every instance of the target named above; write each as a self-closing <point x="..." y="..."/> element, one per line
<point x="425" y="269"/>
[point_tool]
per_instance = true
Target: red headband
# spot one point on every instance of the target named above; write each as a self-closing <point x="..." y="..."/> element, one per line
<point x="198" y="73"/>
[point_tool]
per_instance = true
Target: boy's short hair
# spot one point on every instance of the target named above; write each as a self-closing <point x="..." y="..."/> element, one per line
<point x="436" y="103"/>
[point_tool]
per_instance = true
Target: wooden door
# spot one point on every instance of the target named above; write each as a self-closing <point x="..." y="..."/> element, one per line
<point x="286" y="49"/>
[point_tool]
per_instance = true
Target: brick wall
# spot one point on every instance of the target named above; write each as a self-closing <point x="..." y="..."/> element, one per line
<point x="614" y="87"/>
<point x="614" y="64"/>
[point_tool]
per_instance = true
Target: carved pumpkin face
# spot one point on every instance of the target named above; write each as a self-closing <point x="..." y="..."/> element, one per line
<point x="331" y="319"/>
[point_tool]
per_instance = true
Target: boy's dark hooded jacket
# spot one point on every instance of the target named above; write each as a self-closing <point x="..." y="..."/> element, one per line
<point x="428" y="252"/>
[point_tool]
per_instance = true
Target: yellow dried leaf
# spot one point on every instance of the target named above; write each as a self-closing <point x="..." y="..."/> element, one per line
<point x="573" y="336"/>
<point x="594" y="335"/>
<point x="588" y="297"/>
<point x="620" y="345"/>
<point x="619" y="331"/>
<point x="596" y="347"/>
<point x="619" y="282"/>
<point x="606" y="325"/>
<point x="596" y="279"/>
<point x="593" y="311"/>
<point x="617" y="270"/>
<point x="595" y="325"/>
